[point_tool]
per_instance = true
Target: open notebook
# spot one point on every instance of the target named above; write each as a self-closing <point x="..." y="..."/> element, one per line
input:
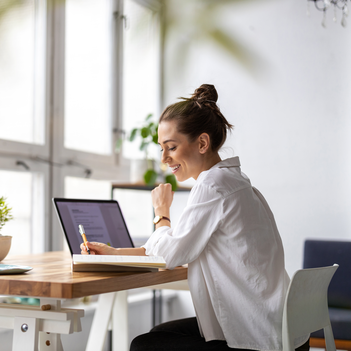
<point x="89" y="263"/>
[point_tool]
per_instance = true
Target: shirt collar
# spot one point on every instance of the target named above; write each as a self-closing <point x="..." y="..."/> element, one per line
<point x="227" y="163"/>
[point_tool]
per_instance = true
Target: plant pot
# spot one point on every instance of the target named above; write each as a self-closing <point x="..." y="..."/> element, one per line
<point x="5" y="245"/>
<point x="138" y="169"/>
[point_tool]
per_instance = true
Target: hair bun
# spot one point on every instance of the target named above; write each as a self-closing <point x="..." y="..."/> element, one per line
<point x="205" y="92"/>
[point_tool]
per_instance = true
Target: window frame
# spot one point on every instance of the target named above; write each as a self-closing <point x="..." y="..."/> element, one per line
<point x="61" y="154"/>
<point x="52" y="159"/>
<point x="40" y="206"/>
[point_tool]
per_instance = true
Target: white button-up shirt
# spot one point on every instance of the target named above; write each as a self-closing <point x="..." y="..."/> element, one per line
<point x="237" y="279"/>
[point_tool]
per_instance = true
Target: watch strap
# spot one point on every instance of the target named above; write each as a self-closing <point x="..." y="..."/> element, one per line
<point x="160" y="219"/>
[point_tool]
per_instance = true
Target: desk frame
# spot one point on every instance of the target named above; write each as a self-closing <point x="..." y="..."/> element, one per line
<point x="51" y="280"/>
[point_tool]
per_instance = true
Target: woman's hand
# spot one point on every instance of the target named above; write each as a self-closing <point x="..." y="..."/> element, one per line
<point x="103" y="249"/>
<point x="162" y="198"/>
<point x="97" y="249"/>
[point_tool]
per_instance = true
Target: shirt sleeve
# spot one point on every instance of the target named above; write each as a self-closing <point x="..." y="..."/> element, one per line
<point x="187" y="240"/>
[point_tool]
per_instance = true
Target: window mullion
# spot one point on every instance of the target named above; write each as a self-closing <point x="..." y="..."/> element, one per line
<point x="119" y="27"/>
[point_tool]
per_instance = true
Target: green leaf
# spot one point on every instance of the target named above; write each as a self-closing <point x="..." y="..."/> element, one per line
<point x="148" y="116"/>
<point x="144" y="145"/>
<point x="154" y="129"/>
<point x="150" y="177"/>
<point x="5" y="212"/>
<point x="171" y="179"/>
<point x="118" y="145"/>
<point x="155" y="138"/>
<point x="234" y="47"/>
<point x="133" y="134"/>
<point x="145" y="132"/>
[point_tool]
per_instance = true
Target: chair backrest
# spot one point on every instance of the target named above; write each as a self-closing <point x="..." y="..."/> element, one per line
<point x="306" y="306"/>
<point x="322" y="253"/>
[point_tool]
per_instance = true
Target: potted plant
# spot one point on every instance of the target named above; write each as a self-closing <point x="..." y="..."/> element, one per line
<point x="148" y="135"/>
<point x="5" y="216"/>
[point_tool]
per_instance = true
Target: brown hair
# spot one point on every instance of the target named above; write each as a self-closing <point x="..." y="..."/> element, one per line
<point x="199" y="114"/>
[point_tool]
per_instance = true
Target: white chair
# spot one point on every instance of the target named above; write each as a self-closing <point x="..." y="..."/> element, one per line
<point x="306" y="306"/>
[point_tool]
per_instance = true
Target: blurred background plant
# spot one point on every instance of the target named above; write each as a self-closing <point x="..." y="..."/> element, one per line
<point x="7" y="5"/>
<point x="5" y="212"/>
<point x="147" y="135"/>
<point x="186" y="21"/>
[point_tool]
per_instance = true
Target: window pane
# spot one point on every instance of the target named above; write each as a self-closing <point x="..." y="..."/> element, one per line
<point x="138" y="212"/>
<point x="136" y="206"/>
<point x="141" y="71"/>
<point x="88" y="75"/>
<point x="80" y="188"/>
<point x="22" y="72"/>
<point x="24" y="195"/>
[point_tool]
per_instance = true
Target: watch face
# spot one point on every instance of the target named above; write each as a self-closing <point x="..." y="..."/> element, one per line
<point x="157" y="219"/>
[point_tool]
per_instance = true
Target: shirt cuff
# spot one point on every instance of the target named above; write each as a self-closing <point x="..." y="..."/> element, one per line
<point x="153" y="240"/>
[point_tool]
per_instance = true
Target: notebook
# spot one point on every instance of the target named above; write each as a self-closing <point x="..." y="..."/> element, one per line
<point x="102" y="220"/>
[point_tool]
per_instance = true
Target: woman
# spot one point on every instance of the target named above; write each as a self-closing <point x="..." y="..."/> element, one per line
<point x="227" y="234"/>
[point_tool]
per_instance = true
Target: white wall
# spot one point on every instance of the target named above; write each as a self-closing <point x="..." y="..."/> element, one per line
<point x="292" y="119"/>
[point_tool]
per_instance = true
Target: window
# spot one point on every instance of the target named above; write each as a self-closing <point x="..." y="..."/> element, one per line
<point x="138" y="212"/>
<point x="22" y="72"/>
<point x="141" y="57"/>
<point x="61" y="103"/>
<point x="88" y="71"/>
<point x="24" y="191"/>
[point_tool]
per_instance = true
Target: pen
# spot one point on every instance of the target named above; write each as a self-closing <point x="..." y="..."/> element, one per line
<point x="82" y="233"/>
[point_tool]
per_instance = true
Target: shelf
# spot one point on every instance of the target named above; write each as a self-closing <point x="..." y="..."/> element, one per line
<point x="141" y="186"/>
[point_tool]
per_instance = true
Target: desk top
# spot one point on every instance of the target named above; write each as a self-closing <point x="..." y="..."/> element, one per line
<point x="51" y="277"/>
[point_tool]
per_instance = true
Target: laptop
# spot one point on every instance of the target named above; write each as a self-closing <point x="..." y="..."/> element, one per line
<point x="102" y="220"/>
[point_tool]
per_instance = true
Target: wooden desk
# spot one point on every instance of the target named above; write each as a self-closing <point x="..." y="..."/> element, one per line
<point x="51" y="280"/>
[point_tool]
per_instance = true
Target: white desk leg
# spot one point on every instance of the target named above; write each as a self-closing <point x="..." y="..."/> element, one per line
<point x="111" y="307"/>
<point x="101" y="321"/>
<point x="50" y="341"/>
<point x="120" y="322"/>
<point x="25" y="334"/>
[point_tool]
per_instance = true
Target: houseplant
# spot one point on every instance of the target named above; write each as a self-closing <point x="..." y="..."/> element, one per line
<point x="5" y="216"/>
<point x="147" y="135"/>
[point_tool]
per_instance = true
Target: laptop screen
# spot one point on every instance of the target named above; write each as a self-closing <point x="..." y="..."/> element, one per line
<point x="102" y="220"/>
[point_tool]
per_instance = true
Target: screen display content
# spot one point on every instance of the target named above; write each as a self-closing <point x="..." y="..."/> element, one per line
<point x="102" y="220"/>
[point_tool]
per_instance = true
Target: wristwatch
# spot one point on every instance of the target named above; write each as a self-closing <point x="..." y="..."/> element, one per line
<point x="159" y="218"/>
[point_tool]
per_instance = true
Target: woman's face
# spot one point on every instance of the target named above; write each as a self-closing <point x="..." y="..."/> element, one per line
<point x="178" y="153"/>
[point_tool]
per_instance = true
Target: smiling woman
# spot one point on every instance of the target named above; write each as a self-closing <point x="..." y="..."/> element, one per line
<point x="181" y="155"/>
<point x="199" y="114"/>
<point x="194" y="124"/>
<point x="226" y="234"/>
